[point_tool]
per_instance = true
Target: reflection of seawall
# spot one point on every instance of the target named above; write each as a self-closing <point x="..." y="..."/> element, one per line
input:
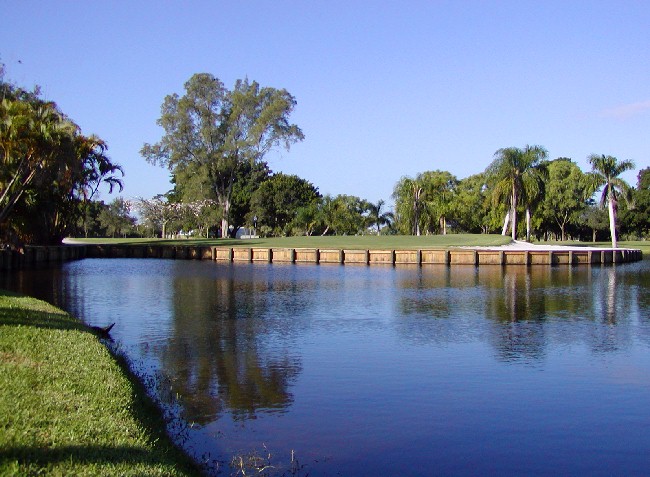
<point x="461" y="256"/>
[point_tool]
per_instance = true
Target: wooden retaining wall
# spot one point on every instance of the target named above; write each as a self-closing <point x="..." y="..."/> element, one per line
<point x="34" y="256"/>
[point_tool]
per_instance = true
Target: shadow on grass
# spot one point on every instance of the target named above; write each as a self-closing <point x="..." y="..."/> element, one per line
<point x="17" y="316"/>
<point x="88" y="454"/>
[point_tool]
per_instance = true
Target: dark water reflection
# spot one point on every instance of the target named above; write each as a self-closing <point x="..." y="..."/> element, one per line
<point x="387" y="371"/>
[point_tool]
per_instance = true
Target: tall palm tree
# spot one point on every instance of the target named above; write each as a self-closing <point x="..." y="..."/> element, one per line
<point x="516" y="177"/>
<point x="605" y="172"/>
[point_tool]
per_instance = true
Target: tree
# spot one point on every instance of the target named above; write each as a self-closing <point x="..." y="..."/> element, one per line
<point x="347" y="215"/>
<point x="277" y="200"/>
<point x="88" y="222"/>
<point x="309" y="219"/>
<point x="566" y="195"/>
<point x="248" y="179"/>
<point x="49" y="170"/>
<point x="516" y="178"/>
<point x="408" y="204"/>
<point x="438" y="192"/>
<point x="595" y="219"/>
<point x="471" y="213"/>
<point x="376" y="217"/>
<point x="210" y="131"/>
<point x="605" y="173"/>
<point x="158" y="212"/>
<point x="116" y="218"/>
<point x="425" y="202"/>
<point x="637" y="219"/>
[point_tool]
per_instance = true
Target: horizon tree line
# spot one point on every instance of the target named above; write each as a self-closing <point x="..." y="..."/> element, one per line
<point x="214" y="144"/>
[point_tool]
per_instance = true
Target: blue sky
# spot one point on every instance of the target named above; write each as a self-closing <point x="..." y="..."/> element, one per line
<point x="385" y="89"/>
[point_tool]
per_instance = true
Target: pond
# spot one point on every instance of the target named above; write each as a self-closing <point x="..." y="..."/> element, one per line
<point x="384" y="370"/>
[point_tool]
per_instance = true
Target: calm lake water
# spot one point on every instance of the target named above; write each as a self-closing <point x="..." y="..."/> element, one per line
<point x="384" y="371"/>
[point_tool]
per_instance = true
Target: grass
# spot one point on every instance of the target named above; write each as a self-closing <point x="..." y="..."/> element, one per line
<point x="68" y="406"/>
<point x="392" y="242"/>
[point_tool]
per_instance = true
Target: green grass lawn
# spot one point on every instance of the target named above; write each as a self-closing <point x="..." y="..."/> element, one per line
<point x="392" y="242"/>
<point x="68" y="407"/>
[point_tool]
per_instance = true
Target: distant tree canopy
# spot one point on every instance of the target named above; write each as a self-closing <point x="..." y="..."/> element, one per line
<point x="48" y="169"/>
<point x="210" y="132"/>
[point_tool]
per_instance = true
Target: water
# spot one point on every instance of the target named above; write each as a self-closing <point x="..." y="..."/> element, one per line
<point x="386" y="371"/>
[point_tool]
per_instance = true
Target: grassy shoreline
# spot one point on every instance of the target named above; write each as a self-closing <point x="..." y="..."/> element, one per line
<point x="69" y="407"/>
<point x="388" y="242"/>
<point x="395" y="242"/>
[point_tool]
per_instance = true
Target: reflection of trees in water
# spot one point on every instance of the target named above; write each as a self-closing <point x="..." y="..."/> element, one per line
<point x="225" y="352"/>
<point x="50" y="284"/>
<point x="528" y="307"/>
<point x="518" y="309"/>
<point x="613" y="297"/>
<point x="434" y="303"/>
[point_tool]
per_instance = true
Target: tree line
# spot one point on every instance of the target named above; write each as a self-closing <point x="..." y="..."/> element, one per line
<point x="214" y="144"/>
<point x="555" y="199"/>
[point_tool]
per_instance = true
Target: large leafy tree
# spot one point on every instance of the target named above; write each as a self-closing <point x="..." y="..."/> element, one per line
<point x="605" y="173"/>
<point x="567" y="192"/>
<point x="277" y="201"/>
<point x="248" y="179"/>
<point x="191" y="187"/>
<point x="516" y="178"/>
<point x="210" y="131"/>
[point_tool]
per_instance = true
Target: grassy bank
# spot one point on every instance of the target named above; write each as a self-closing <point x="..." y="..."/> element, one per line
<point x="392" y="242"/>
<point x="68" y="407"/>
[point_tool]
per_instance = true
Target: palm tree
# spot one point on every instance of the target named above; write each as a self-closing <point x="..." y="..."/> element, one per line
<point x="31" y="138"/>
<point x="605" y="172"/>
<point x="516" y="176"/>
<point x="376" y="217"/>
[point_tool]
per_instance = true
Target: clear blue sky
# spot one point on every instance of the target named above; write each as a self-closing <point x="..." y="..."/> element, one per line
<point x="384" y="88"/>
